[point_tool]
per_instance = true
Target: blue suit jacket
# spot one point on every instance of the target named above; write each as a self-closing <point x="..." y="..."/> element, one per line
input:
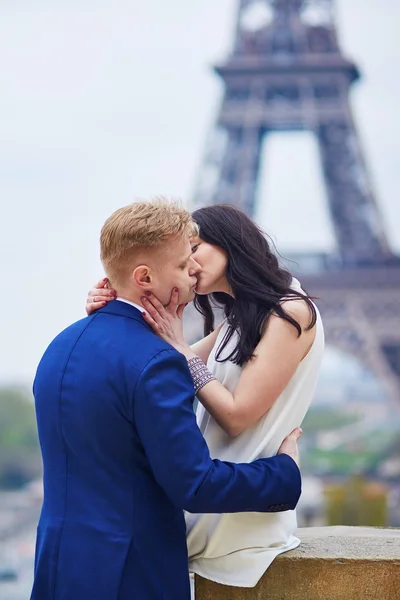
<point x="122" y="458"/>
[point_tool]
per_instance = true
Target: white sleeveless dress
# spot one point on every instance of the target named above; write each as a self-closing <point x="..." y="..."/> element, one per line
<point x="236" y="549"/>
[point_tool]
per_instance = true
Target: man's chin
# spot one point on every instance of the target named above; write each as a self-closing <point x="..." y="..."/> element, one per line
<point x="200" y="291"/>
<point x="190" y="297"/>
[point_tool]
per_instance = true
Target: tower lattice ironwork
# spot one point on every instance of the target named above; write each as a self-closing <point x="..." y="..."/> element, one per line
<point x="286" y="71"/>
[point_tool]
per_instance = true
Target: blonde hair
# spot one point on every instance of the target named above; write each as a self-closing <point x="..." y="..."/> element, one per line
<point x="141" y="226"/>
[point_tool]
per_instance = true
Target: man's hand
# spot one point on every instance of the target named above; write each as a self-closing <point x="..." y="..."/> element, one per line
<point x="289" y="445"/>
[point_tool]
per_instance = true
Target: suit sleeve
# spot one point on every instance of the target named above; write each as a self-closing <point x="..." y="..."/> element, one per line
<point x="180" y="459"/>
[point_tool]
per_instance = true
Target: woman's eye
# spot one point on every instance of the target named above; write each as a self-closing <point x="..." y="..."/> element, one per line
<point x="194" y="248"/>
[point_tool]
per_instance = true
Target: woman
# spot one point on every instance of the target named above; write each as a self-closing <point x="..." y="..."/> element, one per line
<point x="262" y="368"/>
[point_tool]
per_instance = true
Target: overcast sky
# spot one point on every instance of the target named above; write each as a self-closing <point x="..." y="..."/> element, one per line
<point x="103" y="102"/>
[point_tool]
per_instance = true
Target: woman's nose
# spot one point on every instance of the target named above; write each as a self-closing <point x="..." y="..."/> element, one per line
<point x="194" y="267"/>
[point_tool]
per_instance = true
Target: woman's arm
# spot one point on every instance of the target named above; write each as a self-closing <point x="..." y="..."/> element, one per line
<point x="203" y="347"/>
<point x="264" y="378"/>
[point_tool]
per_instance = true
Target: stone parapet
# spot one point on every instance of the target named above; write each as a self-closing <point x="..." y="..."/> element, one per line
<point x="332" y="563"/>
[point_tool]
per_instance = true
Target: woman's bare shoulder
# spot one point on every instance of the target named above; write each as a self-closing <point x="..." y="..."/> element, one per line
<point x="298" y="309"/>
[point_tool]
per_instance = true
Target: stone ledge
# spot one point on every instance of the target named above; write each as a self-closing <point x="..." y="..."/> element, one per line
<point x="332" y="563"/>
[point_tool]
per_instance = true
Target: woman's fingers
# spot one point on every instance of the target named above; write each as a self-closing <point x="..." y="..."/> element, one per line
<point x="102" y="283"/>
<point x="101" y="289"/>
<point x="154" y="307"/>
<point x="149" y="319"/>
<point x="99" y="294"/>
<point x="174" y="301"/>
<point x="180" y="310"/>
<point x="91" y="307"/>
<point x="154" y="301"/>
<point x="163" y="322"/>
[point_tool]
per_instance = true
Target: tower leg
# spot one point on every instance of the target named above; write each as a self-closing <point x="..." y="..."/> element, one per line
<point x="239" y="169"/>
<point x="356" y="219"/>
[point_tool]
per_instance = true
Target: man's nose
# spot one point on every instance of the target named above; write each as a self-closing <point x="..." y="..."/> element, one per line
<point x="194" y="267"/>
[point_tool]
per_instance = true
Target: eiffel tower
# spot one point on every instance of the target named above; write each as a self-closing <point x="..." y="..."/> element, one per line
<point x="286" y="72"/>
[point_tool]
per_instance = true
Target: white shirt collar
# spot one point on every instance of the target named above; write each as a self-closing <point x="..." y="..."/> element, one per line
<point x="140" y="308"/>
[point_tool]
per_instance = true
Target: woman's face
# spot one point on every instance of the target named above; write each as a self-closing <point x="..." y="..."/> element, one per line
<point x="213" y="262"/>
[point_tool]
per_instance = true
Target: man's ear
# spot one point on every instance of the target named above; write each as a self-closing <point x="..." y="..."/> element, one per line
<point x="142" y="277"/>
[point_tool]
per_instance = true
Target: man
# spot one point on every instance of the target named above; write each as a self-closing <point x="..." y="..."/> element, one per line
<point x="122" y="454"/>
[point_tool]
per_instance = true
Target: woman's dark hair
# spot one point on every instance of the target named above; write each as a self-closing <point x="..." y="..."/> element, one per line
<point x="257" y="281"/>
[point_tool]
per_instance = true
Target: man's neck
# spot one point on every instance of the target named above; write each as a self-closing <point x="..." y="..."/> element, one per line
<point x="129" y="294"/>
<point x="129" y="297"/>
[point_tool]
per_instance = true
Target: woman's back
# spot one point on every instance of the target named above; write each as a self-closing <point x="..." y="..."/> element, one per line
<point x="236" y="549"/>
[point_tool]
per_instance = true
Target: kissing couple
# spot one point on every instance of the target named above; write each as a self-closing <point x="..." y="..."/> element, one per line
<point x="138" y="489"/>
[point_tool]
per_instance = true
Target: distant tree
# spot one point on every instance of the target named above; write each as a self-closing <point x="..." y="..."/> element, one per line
<point x="322" y="418"/>
<point x="357" y="502"/>
<point x="19" y="447"/>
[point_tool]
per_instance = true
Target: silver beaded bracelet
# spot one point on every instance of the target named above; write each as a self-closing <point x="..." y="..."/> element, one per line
<point x="199" y="372"/>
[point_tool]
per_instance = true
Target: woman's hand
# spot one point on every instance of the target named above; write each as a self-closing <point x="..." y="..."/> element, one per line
<point x="166" y="321"/>
<point x="99" y="295"/>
